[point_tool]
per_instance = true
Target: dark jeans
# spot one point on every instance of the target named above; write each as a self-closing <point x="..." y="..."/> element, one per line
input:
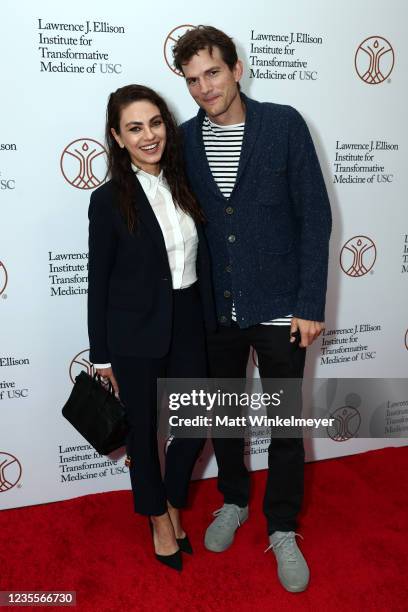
<point x="138" y="391"/>
<point x="228" y="351"/>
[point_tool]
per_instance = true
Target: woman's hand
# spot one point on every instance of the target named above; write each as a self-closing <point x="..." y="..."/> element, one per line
<point x="107" y="374"/>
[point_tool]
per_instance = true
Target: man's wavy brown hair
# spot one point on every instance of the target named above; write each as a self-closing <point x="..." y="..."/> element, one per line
<point x="204" y="37"/>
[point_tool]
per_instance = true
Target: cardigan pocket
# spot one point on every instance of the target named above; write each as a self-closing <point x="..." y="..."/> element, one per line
<point x="279" y="271"/>
<point x="272" y="176"/>
<point x="277" y="193"/>
<point x="275" y="233"/>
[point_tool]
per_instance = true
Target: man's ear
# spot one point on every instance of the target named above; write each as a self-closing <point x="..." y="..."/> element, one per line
<point x="238" y="70"/>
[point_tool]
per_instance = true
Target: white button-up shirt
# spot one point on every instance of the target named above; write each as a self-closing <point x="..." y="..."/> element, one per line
<point x="178" y="229"/>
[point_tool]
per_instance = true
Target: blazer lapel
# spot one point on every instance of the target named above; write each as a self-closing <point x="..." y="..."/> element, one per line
<point x="149" y="220"/>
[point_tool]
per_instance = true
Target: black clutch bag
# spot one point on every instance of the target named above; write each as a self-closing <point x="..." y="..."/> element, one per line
<point x="96" y="413"/>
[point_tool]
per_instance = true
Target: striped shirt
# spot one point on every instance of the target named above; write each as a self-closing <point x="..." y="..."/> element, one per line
<point x="223" y="146"/>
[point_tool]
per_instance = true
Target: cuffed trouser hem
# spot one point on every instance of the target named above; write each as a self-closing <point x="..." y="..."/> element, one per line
<point x="281" y="527"/>
<point x="238" y="502"/>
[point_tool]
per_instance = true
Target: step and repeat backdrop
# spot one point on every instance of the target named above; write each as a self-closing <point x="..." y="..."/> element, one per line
<point x="343" y="66"/>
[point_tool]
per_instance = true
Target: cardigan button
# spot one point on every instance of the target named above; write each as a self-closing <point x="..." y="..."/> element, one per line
<point x="229" y="210"/>
<point x="227" y="294"/>
<point x="223" y="319"/>
<point x="228" y="268"/>
<point x="231" y="238"/>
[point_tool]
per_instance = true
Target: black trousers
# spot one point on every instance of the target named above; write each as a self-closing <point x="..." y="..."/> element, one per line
<point x="228" y="352"/>
<point x="137" y="380"/>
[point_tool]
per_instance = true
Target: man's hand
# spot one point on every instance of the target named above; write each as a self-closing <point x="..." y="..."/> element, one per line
<point x="107" y="374"/>
<point x="309" y="331"/>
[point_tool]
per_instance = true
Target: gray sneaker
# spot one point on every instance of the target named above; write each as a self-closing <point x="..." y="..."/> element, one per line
<point x="220" y="534"/>
<point x="293" y="571"/>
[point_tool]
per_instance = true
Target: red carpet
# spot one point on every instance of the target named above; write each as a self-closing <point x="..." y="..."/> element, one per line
<point x="355" y="539"/>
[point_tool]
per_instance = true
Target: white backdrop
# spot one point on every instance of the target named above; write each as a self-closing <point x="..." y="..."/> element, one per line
<point x="311" y="54"/>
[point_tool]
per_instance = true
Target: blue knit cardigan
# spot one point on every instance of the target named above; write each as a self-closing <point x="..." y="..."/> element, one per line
<point x="269" y="241"/>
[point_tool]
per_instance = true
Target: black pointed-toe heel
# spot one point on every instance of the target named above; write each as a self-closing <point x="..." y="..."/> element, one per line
<point x="185" y="545"/>
<point x="173" y="561"/>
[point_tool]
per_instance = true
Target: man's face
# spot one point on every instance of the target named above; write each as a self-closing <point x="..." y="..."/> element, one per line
<point x="211" y="82"/>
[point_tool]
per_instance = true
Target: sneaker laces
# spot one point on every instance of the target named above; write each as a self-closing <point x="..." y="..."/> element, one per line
<point x="225" y="514"/>
<point x="288" y="544"/>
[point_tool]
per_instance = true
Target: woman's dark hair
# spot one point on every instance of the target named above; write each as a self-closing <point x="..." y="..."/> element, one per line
<point x="119" y="162"/>
<point x="204" y="37"/>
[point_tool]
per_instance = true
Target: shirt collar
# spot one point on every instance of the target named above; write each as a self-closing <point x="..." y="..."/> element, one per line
<point x="149" y="182"/>
<point x="223" y="127"/>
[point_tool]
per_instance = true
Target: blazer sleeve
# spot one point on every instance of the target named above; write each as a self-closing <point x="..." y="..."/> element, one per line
<point x="102" y="254"/>
<point x="312" y="209"/>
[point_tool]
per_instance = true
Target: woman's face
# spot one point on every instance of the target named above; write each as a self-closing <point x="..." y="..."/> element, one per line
<point x="142" y="133"/>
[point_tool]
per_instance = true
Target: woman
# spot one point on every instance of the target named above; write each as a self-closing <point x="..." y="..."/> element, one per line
<point x="149" y="297"/>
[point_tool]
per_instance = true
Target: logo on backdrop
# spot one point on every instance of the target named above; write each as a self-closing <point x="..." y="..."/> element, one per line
<point x="3" y="277"/>
<point x="79" y="363"/>
<point x="10" y="471"/>
<point x="347" y="421"/>
<point x="358" y="256"/>
<point x="374" y="60"/>
<point x="169" y="43"/>
<point x="83" y="163"/>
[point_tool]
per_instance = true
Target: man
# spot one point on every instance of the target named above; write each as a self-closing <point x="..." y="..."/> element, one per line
<point x="254" y="170"/>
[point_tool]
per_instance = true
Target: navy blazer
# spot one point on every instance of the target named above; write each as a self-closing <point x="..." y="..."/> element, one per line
<point x="269" y="241"/>
<point x="130" y="303"/>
